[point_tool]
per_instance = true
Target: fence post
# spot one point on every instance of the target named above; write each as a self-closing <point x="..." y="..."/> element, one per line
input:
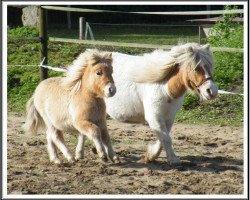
<point x="82" y="27"/>
<point x="44" y="42"/>
<point x="69" y="18"/>
<point x="199" y="34"/>
<point x="86" y="31"/>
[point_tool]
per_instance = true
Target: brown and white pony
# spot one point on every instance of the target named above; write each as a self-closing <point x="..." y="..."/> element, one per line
<point x="151" y="88"/>
<point x="75" y="104"/>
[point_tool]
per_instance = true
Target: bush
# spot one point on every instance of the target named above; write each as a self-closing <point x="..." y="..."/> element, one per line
<point x="24" y="31"/>
<point x="228" y="66"/>
<point x="21" y="84"/>
<point x="227" y="33"/>
<point x="228" y="75"/>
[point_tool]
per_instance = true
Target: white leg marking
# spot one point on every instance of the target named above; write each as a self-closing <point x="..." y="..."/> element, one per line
<point x="162" y="132"/>
<point x="96" y="138"/>
<point x="57" y="138"/>
<point x="52" y="149"/>
<point x="80" y="146"/>
<point x="108" y="146"/>
<point x="153" y="151"/>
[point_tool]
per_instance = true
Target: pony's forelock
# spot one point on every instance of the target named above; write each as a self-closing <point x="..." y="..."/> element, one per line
<point x="88" y="58"/>
<point x="191" y="55"/>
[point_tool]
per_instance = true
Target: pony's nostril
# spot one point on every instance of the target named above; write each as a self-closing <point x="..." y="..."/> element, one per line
<point x="209" y="92"/>
<point x="112" y="90"/>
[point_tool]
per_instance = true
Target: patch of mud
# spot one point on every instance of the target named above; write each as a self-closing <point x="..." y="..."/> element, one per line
<point x="212" y="163"/>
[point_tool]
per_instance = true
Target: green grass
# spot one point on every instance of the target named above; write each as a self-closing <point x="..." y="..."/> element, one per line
<point x="133" y="34"/>
<point x="73" y="140"/>
<point x="224" y="110"/>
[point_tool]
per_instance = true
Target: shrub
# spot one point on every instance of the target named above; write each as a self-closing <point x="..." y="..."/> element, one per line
<point x="24" y="31"/>
<point x="227" y="33"/>
<point x="228" y="72"/>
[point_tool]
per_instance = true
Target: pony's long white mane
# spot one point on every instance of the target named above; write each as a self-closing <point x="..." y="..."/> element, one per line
<point x="155" y="66"/>
<point x="75" y="71"/>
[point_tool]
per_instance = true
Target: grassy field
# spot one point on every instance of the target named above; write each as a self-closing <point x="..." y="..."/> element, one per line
<point x="224" y="110"/>
<point x="135" y="34"/>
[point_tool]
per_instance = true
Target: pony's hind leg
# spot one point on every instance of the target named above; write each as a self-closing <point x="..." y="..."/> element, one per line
<point x="52" y="149"/>
<point x="153" y="151"/>
<point x="57" y="138"/>
<point x="80" y="147"/>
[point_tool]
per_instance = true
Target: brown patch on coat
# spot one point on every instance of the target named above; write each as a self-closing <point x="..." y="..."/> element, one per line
<point x="195" y="77"/>
<point x="176" y="86"/>
<point x="181" y="79"/>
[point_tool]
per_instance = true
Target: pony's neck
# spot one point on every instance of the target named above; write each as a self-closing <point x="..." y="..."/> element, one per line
<point x="175" y="83"/>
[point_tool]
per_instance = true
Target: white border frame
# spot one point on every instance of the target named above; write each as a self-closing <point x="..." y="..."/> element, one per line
<point x="4" y="98"/>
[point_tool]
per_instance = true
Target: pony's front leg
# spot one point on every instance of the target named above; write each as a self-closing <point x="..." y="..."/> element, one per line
<point x="162" y="130"/>
<point x="80" y="146"/>
<point x="108" y="146"/>
<point x="93" y="133"/>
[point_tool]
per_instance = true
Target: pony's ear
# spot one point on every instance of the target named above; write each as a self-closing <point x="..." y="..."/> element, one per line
<point x="95" y="58"/>
<point x="109" y="55"/>
<point x="207" y="47"/>
<point x="189" y="50"/>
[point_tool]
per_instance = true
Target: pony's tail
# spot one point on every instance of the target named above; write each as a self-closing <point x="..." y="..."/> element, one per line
<point x="34" y="122"/>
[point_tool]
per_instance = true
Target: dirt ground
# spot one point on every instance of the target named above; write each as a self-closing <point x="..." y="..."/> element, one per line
<point x="212" y="163"/>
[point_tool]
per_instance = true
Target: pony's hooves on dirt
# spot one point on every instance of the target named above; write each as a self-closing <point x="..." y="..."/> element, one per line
<point x="78" y="158"/>
<point x="72" y="160"/>
<point x="57" y="161"/>
<point x="116" y="160"/>
<point x="174" y="162"/>
<point x="145" y="159"/>
<point x="104" y="159"/>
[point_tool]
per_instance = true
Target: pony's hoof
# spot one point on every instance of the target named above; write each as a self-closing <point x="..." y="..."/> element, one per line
<point x="78" y="157"/>
<point x="57" y="161"/>
<point x="116" y="160"/>
<point x="175" y="161"/>
<point x="146" y="159"/>
<point x="72" y="160"/>
<point x="104" y="159"/>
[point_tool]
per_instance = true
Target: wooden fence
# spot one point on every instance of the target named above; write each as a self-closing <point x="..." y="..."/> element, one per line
<point x="44" y="35"/>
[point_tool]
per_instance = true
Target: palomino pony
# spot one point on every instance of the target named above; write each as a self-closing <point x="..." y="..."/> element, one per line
<point x="75" y="104"/>
<point x="151" y="88"/>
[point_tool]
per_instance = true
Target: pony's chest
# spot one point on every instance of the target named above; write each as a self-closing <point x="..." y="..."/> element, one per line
<point x="94" y="111"/>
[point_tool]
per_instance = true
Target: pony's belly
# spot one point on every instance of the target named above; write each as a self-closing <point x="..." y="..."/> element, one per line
<point x="128" y="118"/>
<point x="125" y="112"/>
<point x="125" y="105"/>
<point x="64" y="126"/>
<point x="136" y="119"/>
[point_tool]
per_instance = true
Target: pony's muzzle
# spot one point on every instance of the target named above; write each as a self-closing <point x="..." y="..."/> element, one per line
<point x="110" y="90"/>
<point x="208" y="91"/>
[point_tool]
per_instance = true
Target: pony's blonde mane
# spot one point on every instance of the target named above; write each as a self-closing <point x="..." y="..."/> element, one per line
<point x="76" y="69"/>
<point x="155" y="66"/>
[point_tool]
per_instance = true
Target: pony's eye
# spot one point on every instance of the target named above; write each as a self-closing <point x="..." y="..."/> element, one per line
<point x="99" y="73"/>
